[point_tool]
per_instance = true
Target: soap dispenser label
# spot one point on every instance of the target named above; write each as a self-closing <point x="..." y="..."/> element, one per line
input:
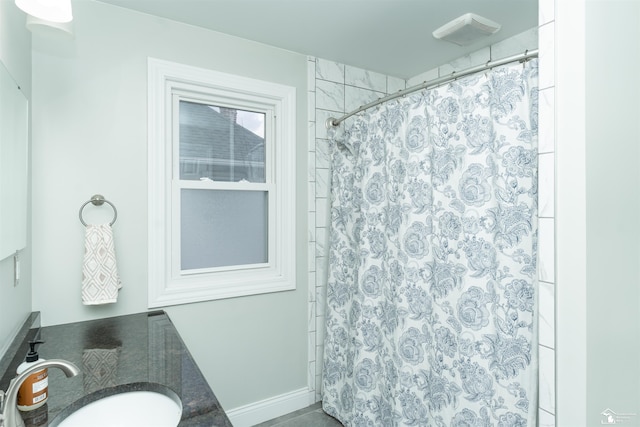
<point x="40" y="398"/>
<point x="41" y="383"/>
<point x="34" y="389"/>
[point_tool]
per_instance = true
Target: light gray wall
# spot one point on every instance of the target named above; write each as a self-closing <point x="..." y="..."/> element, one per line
<point x="15" y="54"/>
<point x="597" y="54"/>
<point x="567" y="59"/>
<point x="90" y="136"/>
<point x="612" y="209"/>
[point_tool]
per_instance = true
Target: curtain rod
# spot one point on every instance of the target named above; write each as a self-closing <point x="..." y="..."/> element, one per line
<point x="522" y="57"/>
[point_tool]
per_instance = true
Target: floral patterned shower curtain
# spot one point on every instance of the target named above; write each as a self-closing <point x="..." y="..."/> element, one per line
<point x="431" y="295"/>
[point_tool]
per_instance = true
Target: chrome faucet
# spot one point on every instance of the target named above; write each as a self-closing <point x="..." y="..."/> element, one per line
<point x="9" y="414"/>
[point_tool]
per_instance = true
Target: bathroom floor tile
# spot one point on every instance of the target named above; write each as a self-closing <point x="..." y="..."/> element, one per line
<point x="312" y="416"/>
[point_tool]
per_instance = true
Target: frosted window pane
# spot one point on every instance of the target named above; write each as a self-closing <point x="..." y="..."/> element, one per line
<point x="221" y="144"/>
<point x="223" y="228"/>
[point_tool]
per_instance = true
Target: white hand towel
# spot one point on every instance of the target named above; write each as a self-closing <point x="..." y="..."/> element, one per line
<point x="100" y="280"/>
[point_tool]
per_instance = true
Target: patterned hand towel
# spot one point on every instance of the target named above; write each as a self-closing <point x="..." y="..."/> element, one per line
<point x="100" y="280"/>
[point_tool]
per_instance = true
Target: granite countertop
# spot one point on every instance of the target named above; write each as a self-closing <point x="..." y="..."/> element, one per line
<point x="123" y="353"/>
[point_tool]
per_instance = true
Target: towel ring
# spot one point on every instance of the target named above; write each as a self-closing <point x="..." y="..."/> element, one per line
<point x="98" y="200"/>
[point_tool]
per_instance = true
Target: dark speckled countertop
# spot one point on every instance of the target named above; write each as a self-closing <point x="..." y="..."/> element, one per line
<point x="124" y="353"/>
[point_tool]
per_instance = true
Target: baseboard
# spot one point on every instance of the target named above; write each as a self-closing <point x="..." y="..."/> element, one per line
<point x="273" y="407"/>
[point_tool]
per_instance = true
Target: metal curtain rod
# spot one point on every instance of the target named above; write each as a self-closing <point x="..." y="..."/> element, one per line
<point x="522" y="57"/>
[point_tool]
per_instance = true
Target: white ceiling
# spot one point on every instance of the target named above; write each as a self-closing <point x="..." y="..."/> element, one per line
<point x="387" y="36"/>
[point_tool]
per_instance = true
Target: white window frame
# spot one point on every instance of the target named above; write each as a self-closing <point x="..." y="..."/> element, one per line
<point x="167" y="285"/>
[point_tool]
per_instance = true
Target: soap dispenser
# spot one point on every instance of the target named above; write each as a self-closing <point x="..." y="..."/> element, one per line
<point x="34" y="391"/>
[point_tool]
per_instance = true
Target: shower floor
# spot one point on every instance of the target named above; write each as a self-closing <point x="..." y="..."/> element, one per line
<point x="311" y="416"/>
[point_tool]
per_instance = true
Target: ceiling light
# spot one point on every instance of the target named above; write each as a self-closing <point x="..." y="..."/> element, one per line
<point x="49" y="10"/>
<point x="466" y="29"/>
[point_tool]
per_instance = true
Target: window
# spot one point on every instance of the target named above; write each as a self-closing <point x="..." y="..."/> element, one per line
<point x="221" y="185"/>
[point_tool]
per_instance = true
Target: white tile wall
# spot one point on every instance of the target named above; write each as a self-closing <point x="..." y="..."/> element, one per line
<point x="476" y="58"/>
<point x="546" y="213"/>
<point x="546" y="392"/>
<point x="357" y="96"/>
<point x="329" y="95"/>
<point x="546" y="184"/>
<point x="546" y="314"/>
<point x="328" y="70"/>
<point x="395" y="84"/>
<point x="357" y="77"/>
<point x="545" y="419"/>
<point x="546" y="11"/>
<point x="546" y="119"/>
<point x="547" y="55"/>
<point x="546" y="252"/>
<point x="424" y="77"/>
<point x="515" y="45"/>
<point x="336" y="88"/>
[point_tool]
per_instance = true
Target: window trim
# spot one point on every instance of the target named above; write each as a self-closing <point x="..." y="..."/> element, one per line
<point x="278" y="274"/>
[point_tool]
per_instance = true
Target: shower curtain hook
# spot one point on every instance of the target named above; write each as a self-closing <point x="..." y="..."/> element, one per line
<point x="524" y="60"/>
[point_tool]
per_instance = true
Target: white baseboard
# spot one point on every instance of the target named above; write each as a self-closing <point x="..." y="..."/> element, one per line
<point x="273" y="407"/>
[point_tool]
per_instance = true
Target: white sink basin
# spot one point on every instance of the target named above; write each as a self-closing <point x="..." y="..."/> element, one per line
<point x="131" y="408"/>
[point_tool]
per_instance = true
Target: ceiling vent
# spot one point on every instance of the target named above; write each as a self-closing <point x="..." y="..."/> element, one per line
<point x="466" y="29"/>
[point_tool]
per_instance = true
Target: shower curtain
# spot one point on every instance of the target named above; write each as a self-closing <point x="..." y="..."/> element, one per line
<point x="431" y="295"/>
